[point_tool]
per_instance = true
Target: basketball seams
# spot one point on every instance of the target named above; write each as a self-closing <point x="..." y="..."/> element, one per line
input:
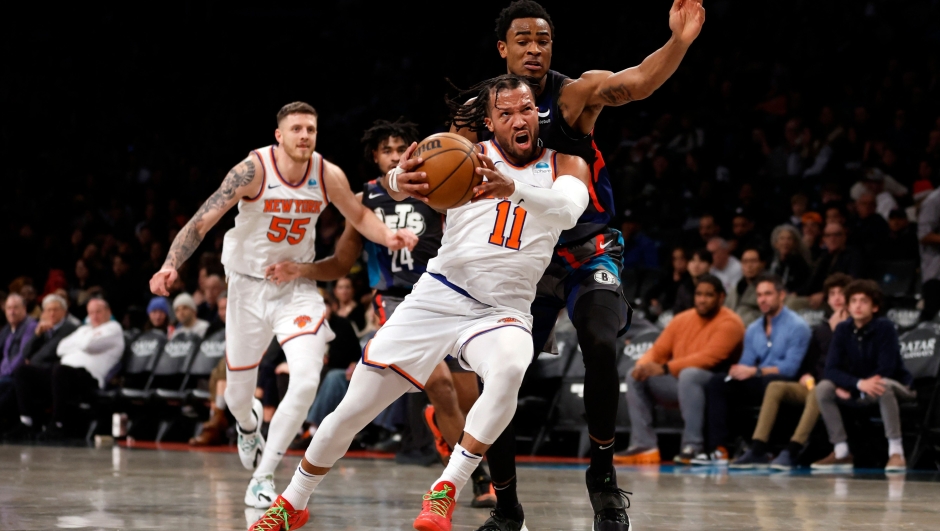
<point x="469" y="190"/>
<point x="449" y="175"/>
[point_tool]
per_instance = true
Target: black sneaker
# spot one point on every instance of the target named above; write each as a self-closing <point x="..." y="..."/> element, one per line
<point x="484" y="495"/>
<point x="498" y="522"/>
<point x="610" y="503"/>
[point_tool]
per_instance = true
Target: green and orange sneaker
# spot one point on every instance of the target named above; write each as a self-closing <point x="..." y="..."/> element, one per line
<point x="440" y="444"/>
<point x="437" y="509"/>
<point x="281" y="516"/>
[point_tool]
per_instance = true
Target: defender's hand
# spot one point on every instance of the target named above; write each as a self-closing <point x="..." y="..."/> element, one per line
<point x="282" y="272"/>
<point x="413" y="183"/>
<point x="162" y="280"/>
<point x="686" y="19"/>
<point x="401" y="238"/>
<point x="496" y="184"/>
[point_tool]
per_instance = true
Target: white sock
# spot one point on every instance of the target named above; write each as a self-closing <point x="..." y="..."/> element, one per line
<point x="895" y="447"/>
<point x="301" y="487"/>
<point x="461" y="465"/>
<point x="842" y="450"/>
<point x="27" y="421"/>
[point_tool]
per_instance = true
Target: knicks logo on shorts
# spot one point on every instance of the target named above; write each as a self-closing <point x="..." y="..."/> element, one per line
<point x="603" y="276"/>
<point x="302" y="321"/>
<point x="508" y="320"/>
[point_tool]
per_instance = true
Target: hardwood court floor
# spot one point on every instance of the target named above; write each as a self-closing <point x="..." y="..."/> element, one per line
<point x="119" y="488"/>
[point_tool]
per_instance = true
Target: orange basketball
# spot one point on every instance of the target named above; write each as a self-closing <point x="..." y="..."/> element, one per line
<point x="450" y="163"/>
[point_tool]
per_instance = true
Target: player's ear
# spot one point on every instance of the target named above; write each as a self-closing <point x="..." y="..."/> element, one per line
<point x="488" y="123"/>
<point x="502" y="48"/>
<point x="277" y="135"/>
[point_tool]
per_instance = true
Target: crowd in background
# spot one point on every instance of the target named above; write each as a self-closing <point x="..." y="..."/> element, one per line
<point x="823" y="160"/>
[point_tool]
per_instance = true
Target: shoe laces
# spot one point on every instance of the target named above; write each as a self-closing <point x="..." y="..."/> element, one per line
<point x="438" y="500"/>
<point x="275" y="517"/>
<point x="495" y="521"/>
<point x="617" y="491"/>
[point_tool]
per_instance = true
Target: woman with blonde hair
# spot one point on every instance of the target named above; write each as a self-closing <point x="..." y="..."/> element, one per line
<point x="791" y="258"/>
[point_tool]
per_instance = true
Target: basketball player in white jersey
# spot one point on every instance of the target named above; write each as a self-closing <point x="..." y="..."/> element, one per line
<point x="473" y="303"/>
<point x="280" y="191"/>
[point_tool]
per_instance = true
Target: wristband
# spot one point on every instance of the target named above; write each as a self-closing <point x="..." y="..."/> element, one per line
<point x="392" y="178"/>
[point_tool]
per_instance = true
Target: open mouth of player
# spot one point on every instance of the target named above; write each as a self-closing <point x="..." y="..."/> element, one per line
<point x="522" y="139"/>
<point x="533" y="66"/>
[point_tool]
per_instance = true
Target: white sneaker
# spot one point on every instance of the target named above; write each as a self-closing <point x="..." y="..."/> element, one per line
<point x="251" y="444"/>
<point x="261" y="493"/>
<point x="716" y="458"/>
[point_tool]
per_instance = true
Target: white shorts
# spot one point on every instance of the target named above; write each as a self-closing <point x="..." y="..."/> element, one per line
<point x="434" y="321"/>
<point x="259" y="309"/>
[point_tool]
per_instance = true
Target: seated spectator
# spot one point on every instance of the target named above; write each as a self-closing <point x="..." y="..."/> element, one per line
<point x="745" y="237"/>
<point x="699" y="265"/>
<point x="639" y="250"/>
<point x="85" y="358"/>
<point x="928" y="233"/>
<point x="774" y="348"/>
<point x="663" y="296"/>
<point x="208" y="310"/>
<point x="799" y="205"/>
<point x="213" y="430"/>
<point x="53" y="327"/>
<point x="837" y="258"/>
<point x="186" y="321"/>
<point x="811" y="229"/>
<point x="724" y="266"/>
<point x="791" y="258"/>
<point x="158" y="315"/>
<point x="349" y="306"/>
<point x="799" y="393"/>
<point x="708" y="228"/>
<point x="674" y="371"/>
<point x="869" y="231"/>
<point x="742" y="299"/>
<point x="902" y="238"/>
<point x="14" y="338"/>
<point x="864" y="367"/>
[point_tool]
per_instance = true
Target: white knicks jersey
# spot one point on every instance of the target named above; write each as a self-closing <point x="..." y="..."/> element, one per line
<point x="493" y="249"/>
<point x="280" y="222"/>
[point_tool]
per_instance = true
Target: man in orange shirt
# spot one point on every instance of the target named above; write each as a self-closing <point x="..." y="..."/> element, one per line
<point x="675" y="370"/>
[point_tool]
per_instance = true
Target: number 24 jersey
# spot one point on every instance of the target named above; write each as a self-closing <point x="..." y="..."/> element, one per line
<point x="493" y="249"/>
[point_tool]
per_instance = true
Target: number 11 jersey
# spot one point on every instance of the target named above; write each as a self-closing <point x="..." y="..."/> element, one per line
<point x="493" y="250"/>
<point x="280" y="222"/>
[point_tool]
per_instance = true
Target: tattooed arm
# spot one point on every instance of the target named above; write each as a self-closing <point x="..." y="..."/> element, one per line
<point x="242" y="181"/>
<point x="582" y="99"/>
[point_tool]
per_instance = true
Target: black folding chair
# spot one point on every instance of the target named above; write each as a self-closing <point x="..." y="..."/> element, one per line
<point x="919" y="348"/>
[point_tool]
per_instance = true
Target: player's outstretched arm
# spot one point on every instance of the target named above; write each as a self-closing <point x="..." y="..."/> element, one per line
<point x="596" y="89"/>
<point x="333" y="267"/>
<point x="559" y="206"/>
<point x="364" y="220"/>
<point x="242" y="181"/>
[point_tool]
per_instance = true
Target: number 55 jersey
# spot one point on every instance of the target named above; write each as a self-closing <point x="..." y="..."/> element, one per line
<point x="280" y="222"/>
<point x="492" y="250"/>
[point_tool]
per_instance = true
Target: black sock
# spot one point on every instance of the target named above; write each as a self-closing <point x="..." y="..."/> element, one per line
<point x="507" y="502"/>
<point x="602" y="457"/>
<point x="758" y="447"/>
<point x="479" y="474"/>
<point x="795" y="448"/>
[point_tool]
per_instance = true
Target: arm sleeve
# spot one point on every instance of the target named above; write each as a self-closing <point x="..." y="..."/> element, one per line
<point x="722" y="343"/>
<point x="834" y="370"/>
<point x="796" y="349"/>
<point x="72" y="342"/>
<point x="559" y="206"/>
<point x="926" y="219"/>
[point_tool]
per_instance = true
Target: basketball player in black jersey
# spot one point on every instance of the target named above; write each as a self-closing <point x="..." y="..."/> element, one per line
<point x="584" y="275"/>
<point x="451" y="389"/>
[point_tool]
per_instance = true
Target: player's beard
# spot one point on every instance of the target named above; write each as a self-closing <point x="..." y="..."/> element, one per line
<point x="297" y="155"/>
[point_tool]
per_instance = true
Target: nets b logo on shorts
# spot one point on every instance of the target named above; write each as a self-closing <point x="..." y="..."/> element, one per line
<point x="603" y="276"/>
<point x="302" y="321"/>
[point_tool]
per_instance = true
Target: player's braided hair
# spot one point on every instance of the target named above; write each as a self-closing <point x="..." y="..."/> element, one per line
<point x="521" y="9"/>
<point x="469" y="108"/>
<point x="383" y="129"/>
